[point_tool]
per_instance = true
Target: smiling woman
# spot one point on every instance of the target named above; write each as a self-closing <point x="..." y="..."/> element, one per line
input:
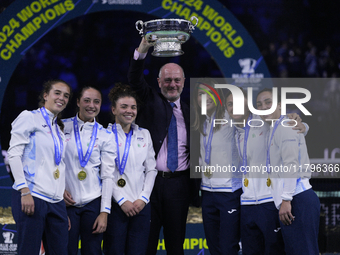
<point x="89" y="104"/>
<point x="291" y="190"/>
<point x="88" y="177"/>
<point x="56" y="100"/>
<point x="135" y="172"/>
<point x="35" y="156"/>
<point x="220" y="198"/>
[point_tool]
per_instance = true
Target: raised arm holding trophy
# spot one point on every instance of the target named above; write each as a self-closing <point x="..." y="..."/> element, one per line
<point x="168" y="120"/>
<point x="166" y="35"/>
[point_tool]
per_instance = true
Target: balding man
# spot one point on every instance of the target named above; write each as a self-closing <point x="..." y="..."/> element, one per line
<point x="167" y="118"/>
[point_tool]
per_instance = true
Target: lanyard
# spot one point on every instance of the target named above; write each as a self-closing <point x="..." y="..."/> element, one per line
<point x="245" y="141"/>
<point x="207" y="146"/>
<point x="121" y="165"/>
<point x="83" y="160"/>
<point x="57" y="151"/>
<point x="270" y="141"/>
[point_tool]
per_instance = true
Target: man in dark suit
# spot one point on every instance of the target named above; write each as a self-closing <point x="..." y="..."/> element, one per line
<point x="171" y="193"/>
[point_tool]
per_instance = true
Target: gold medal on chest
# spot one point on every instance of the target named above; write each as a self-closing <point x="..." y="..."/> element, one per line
<point x="208" y="172"/>
<point x="269" y="182"/>
<point x="121" y="182"/>
<point x="56" y="174"/>
<point x="82" y="175"/>
<point x="246" y="182"/>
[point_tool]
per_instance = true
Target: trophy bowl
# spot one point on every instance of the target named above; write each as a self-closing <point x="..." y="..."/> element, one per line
<point x="166" y="35"/>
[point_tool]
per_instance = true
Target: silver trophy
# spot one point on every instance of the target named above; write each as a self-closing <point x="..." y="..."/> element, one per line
<point x="166" y="35"/>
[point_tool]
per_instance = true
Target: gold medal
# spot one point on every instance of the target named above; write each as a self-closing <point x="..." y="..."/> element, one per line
<point x="207" y="172"/>
<point x="269" y="182"/>
<point x="56" y="174"/>
<point x="121" y="182"/>
<point x="82" y="175"/>
<point x="246" y="182"/>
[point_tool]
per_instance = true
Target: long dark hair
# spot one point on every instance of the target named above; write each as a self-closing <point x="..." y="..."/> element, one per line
<point x="198" y="118"/>
<point x="47" y="86"/>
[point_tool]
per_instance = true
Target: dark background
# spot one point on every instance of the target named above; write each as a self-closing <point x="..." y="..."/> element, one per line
<point x="297" y="38"/>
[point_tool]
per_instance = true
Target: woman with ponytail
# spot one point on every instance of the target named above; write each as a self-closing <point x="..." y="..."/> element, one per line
<point x="36" y="159"/>
<point x="90" y="162"/>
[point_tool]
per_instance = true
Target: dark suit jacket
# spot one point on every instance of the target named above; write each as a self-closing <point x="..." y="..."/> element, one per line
<point x="155" y="112"/>
<point x="155" y="115"/>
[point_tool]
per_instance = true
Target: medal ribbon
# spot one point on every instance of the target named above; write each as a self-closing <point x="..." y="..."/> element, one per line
<point x="83" y="160"/>
<point x="207" y="146"/>
<point x="245" y="141"/>
<point x="121" y="165"/>
<point x="270" y="141"/>
<point x="57" y="152"/>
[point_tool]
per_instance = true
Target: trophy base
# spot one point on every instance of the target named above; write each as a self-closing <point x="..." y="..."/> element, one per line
<point x="167" y="49"/>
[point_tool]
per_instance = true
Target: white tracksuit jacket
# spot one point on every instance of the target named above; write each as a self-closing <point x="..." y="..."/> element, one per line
<point x="288" y="149"/>
<point x="99" y="169"/>
<point x="223" y="155"/>
<point x="31" y="156"/>
<point x="140" y="171"/>
<point x="257" y="191"/>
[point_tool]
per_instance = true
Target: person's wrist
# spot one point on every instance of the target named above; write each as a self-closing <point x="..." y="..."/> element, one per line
<point x="25" y="193"/>
<point x="143" y="48"/>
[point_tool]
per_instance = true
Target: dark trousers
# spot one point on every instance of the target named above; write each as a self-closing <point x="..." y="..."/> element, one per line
<point x="169" y="208"/>
<point x="127" y="235"/>
<point x="82" y="220"/>
<point x="48" y="224"/>
<point x="260" y="230"/>
<point x="301" y="237"/>
<point x="221" y="221"/>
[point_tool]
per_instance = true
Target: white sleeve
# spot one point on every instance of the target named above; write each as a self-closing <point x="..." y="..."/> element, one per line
<point x="108" y="155"/>
<point x="150" y="171"/>
<point x="289" y="150"/>
<point x="307" y="128"/>
<point x="139" y="56"/>
<point x="22" y="127"/>
<point x="107" y="185"/>
<point x="117" y="195"/>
